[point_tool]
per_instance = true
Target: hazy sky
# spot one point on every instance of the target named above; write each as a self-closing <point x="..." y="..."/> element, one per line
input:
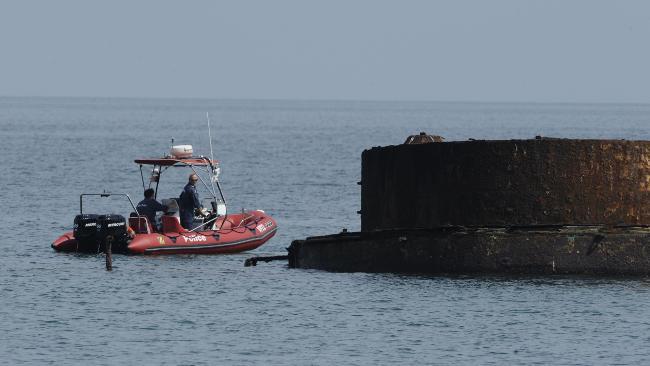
<point x="565" y="51"/>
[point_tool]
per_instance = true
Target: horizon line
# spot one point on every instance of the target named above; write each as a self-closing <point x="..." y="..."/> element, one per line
<point x="369" y="100"/>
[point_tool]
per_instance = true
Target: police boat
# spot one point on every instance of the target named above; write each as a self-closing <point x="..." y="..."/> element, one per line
<point x="213" y="231"/>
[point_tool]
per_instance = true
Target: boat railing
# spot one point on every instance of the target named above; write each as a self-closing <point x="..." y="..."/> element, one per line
<point x="105" y="194"/>
<point x="242" y="222"/>
<point x="205" y="223"/>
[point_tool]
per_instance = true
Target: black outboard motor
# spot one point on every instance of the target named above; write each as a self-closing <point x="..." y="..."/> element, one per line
<point x="113" y="226"/>
<point x="85" y="231"/>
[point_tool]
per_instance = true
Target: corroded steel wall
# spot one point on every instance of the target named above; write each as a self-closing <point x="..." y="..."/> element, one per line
<point x="506" y="183"/>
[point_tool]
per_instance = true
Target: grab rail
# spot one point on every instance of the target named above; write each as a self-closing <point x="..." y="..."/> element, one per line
<point x="241" y="223"/>
<point x="105" y="194"/>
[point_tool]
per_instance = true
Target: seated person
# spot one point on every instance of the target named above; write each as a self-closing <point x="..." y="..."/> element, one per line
<point x="148" y="206"/>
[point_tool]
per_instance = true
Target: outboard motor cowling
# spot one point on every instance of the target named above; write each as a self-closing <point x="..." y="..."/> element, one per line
<point x="85" y="228"/>
<point x="114" y="226"/>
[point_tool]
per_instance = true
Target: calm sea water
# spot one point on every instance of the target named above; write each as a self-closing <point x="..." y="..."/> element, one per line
<point x="300" y="162"/>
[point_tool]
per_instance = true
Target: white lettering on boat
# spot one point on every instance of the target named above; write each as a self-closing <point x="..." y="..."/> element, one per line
<point x="262" y="227"/>
<point x="116" y="224"/>
<point x="195" y="238"/>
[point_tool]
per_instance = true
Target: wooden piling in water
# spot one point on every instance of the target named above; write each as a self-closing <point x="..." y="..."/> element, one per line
<point x="108" y="252"/>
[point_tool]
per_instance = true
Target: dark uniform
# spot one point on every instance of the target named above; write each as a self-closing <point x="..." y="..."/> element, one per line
<point x="189" y="201"/>
<point x="148" y="207"/>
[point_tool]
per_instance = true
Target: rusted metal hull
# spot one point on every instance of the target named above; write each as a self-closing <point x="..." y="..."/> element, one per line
<point x="506" y="183"/>
<point x="549" y="250"/>
<point x="542" y="206"/>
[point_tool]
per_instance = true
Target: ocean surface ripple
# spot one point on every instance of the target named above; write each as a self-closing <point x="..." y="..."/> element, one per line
<point x="299" y="161"/>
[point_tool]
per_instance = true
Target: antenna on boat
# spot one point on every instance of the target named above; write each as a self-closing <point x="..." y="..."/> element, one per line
<point x="215" y="170"/>
<point x="207" y="115"/>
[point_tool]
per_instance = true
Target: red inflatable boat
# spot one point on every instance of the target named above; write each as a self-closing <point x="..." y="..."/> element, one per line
<point x="214" y="231"/>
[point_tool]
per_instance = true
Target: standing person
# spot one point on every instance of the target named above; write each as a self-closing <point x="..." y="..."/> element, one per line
<point x="189" y="201"/>
<point x="149" y="206"/>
